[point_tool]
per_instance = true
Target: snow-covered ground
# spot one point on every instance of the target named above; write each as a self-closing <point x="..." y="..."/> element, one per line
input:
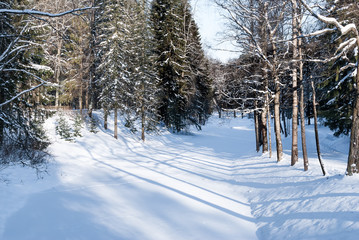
<point x="206" y="185"/>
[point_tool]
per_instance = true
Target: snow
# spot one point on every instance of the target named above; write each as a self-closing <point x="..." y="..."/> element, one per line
<point x="38" y="67"/>
<point x="40" y="13"/>
<point x="348" y="28"/>
<point x="204" y="185"/>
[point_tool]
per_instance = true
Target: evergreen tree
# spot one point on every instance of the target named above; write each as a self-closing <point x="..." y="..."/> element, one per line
<point x="17" y="84"/>
<point x="167" y="23"/>
<point x="113" y="78"/>
<point x="201" y="104"/>
<point x="126" y="74"/>
<point x="337" y="91"/>
<point x="176" y="41"/>
<point x="143" y="74"/>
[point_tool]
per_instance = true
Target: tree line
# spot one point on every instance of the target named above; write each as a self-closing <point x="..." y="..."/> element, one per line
<point x="137" y="58"/>
<point x="144" y="60"/>
<point x="296" y="57"/>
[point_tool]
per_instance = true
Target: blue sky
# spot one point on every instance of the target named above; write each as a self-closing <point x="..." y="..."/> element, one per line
<point x="211" y="25"/>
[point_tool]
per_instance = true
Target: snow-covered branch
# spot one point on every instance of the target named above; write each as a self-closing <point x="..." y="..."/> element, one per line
<point x="9" y="48"/>
<point x="330" y="20"/>
<point x="319" y="32"/>
<point x="40" y="13"/>
<point x="42" y="83"/>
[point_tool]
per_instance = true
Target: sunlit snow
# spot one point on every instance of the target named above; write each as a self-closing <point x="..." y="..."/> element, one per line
<point x="206" y="185"/>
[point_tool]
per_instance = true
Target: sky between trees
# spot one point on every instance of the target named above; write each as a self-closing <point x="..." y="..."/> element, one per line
<point x="211" y="25"/>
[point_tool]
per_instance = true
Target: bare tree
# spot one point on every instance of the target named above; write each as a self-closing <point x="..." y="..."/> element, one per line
<point x="66" y="51"/>
<point x="270" y="15"/>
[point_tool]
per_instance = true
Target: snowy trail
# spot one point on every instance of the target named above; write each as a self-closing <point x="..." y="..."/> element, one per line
<point x="209" y="185"/>
<point x="122" y="189"/>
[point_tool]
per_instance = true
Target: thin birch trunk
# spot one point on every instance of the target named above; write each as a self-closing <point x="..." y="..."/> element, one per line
<point x="277" y="84"/>
<point x="301" y="106"/>
<point x="294" y="156"/>
<point x="353" y="158"/>
<point x="316" y="129"/>
<point x="269" y="131"/>
<point x="278" y="137"/>
<point x="256" y="126"/>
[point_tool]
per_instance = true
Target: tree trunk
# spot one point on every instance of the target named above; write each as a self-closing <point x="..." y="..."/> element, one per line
<point x="87" y="96"/>
<point x="143" y="113"/>
<point x="57" y="73"/>
<point x="301" y="106"/>
<point x="115" y="127"/>
<point x="316" y="129"/>
<point x="302" y="129"/>
<point x="143" y="120"/>
<point x="294" y="156"/>
<point x="353" y="158"/>
<point x="105" y="116"/>
<point x="269" y="131"/>
<point x="277" y="91"/>
<point x="81" y="87"/>
<point x="264" y="130"/>
<point x="278" y="137"/>
<point x="256" y="127"/>
<point x="308" y="113"/>
<point x="90" y="90"/>
<point x="2" y="123"/>
<point x="284" y="124"/>
<point x="91" y="98"/>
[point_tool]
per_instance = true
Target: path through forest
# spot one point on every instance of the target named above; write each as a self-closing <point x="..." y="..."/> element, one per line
<point x="206" y="185"/>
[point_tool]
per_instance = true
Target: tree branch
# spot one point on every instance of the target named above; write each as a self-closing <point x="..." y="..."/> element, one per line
<point x="42" y="83"/>
<point x="40" y="13"/>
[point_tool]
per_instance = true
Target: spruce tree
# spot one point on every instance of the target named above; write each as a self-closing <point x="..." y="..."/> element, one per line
<point x="17" y="68"/>
<point x="143" y="74"/>
<point x="113" y="77"/>
<point x="200" y="108"/>
<point x="175" y="33"/>
<point x="337" y="91"/>
<point x="168" y="32"/>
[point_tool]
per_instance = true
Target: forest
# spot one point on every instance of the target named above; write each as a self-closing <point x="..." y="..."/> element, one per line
<point x="143" y="61"/>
